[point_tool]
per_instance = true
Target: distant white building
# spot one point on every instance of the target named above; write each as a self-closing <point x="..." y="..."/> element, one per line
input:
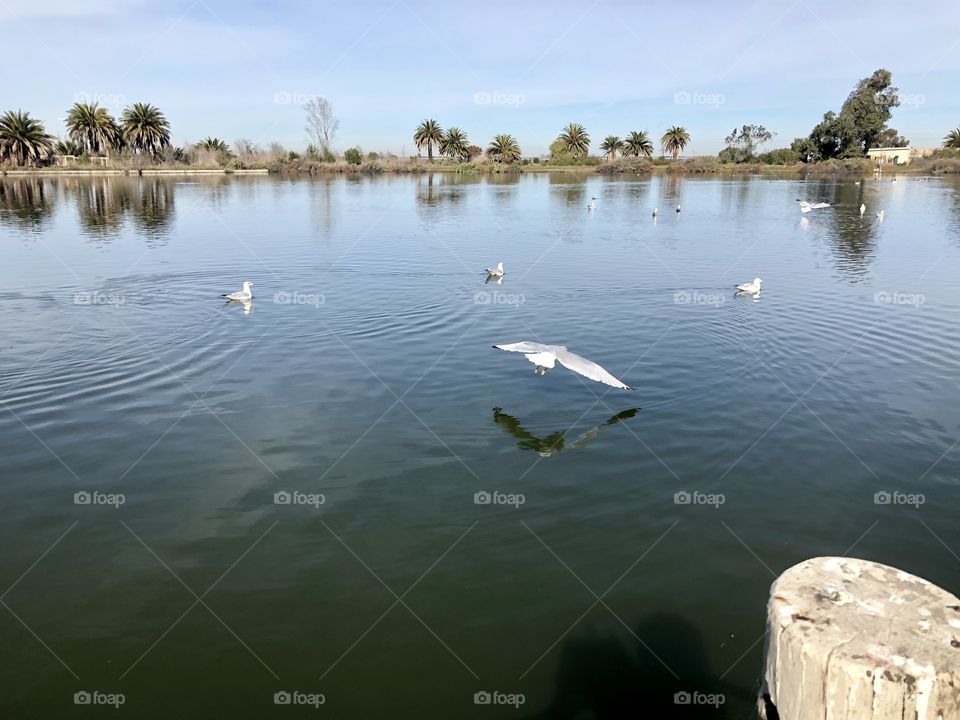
<point x="898" y="155"/>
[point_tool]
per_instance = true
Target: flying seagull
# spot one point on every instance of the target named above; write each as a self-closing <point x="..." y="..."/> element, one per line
<point x="242" y="296"/>
<point x="806" y="207"/>
<point x="751" y="288"/>
<point x="544" y="357"/>
<point x="496" y="272"/>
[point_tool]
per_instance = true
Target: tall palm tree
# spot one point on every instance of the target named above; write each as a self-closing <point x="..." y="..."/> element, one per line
<point x="214" y="144"/>
<point x="92" y="128"/>
<point x="428" y="132"/>
<point x="575" y="139"/>
<point x="674" y="140"/>
<point x="611" y="145"/>
<point x="145" y="129"/>
<point x="504" y="148"/>
<point x="23" y="139"/>
<point x="952" y="140"/>
<point x="455" y="144"/>
<point x="637" y="144"/>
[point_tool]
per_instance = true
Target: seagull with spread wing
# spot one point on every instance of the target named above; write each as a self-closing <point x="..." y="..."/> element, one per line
<point x="544" y="357"/>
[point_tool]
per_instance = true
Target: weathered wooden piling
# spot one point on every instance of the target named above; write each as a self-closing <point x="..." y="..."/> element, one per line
<point x="855" y="640"/>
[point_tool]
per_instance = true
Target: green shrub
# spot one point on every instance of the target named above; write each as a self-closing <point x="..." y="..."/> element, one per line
<point x="328" y="156"/>
<point x="353" y="156"/>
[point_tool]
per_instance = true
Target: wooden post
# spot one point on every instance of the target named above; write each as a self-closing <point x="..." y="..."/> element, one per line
<point x="856" y="640"/>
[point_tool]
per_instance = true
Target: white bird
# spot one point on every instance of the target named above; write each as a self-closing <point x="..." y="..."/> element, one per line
<point x="655" y="211"/>
<point x="863" y="209"/>
<point x="242" y="296"/>
<point x="751" y="288"/>
<point x="545" y="357"/>
<point x="806" y="207"/>
<point x="593" y="204"/>
<point x="881" y="214"/>
<point x="857" y="182"/>
<point x="496" y="272"/>
<point x="678" y="208"/>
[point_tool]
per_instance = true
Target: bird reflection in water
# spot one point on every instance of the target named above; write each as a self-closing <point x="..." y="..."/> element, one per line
<point x="247" y="305"/>
<point x="548" y="445"/>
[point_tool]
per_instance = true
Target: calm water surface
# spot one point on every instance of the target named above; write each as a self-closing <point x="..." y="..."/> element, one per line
<point x="363" y="372"/>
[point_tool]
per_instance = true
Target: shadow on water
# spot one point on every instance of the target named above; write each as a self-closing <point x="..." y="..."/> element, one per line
<point x="661" y="672"/>
<point x="555" y="442"/>
<point x="26" y="202"/>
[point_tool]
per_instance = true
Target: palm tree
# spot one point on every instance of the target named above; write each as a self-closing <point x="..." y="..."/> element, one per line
<point x="67" y="147"/>
<point x="637" y="144"/>
<point x="952" y="140"/>
<point x="213" y="144"/>
<point x="575" y="139"/>
<point x="504" y="148"/>
<point x="674" y="140"/>
<point x="428" y="133"/>
<point x="23" y="139"/>
<point x="145" y="129"/>
<point x="92" y="128"/>
<point x="455" y="144"/>
<point x="611" y="145"/>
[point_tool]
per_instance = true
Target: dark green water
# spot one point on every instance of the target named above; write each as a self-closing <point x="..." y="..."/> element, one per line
<point x="121" y="372"/>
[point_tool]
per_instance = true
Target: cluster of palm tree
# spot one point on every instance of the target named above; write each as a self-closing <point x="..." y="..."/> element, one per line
<point x="575" y="140"/>
<point x="91" y="130"/>
<point x="952" y="140"/>
<point x="454" y="143"/>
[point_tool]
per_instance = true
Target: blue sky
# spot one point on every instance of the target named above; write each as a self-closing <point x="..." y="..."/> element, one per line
<point x="241" y="69"/>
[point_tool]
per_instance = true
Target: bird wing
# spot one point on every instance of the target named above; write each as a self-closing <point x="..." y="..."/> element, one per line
<point x="588" y="369"/>
<point x="545" y="359"/>
<point x="817" y="206"/>
<point x="746" y="287"/>
<point x="237" y="296"/>
<point x="524" y="347"/>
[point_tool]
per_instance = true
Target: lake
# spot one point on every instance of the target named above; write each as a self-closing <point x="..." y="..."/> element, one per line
<point x="340" y="497"/>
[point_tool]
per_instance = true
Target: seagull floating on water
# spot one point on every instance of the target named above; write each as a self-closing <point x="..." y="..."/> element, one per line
<point x="244" y="295"/>
<point x="881" y="214"/>
<point x="863" y="209"/>
<point x="593" y="204"/>
<point x="496" y="272"/>
<point x="544" y="357"/>
<point x="655" y="211"/>
<point x="806" y="207"/>
<point x="678" y="209"/>
<point x="751" y="288"/>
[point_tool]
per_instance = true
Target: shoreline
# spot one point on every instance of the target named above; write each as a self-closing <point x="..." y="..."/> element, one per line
<point x="798" y="171"/>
